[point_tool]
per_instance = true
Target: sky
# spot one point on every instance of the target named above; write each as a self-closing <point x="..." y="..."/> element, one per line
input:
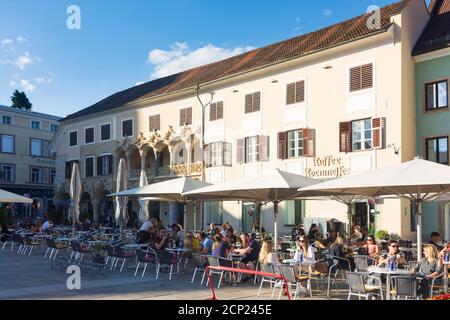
<point x="65" y="64"/>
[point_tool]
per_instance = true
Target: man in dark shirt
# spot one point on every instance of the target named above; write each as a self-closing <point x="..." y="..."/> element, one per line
<point x="161" y="240"/>
<point x="436" y="241"/>
<point x="250" y="254"/>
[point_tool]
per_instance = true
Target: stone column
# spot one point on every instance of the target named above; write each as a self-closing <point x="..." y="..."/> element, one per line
<point x="189" y="156"/>
<point x="143" y="155"/>
<point x="171" y="159"/>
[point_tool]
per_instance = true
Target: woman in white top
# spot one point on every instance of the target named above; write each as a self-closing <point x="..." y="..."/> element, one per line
<point x="266" y="254"/>
<point x="303" y="248"/>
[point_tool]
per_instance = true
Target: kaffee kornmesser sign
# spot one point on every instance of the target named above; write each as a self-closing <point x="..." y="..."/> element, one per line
<point x="326" y="167"/>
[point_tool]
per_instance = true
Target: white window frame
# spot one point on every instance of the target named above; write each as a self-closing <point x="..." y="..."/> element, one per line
<point x="75" y="145"/>
<point x="12" y="119"/>
<point x="13" y="141"/>
<point x="362" y="132"/>
<point x="121" y="127"/>
<point x="93" y="166"/>
<point x="31" y="147"/>
<point x="13" y="172"/>
<point x="253" y="153"/>
<point x="297" y="147"/>
<point x="50" y="127"/>
<point x="101" y="156"/>
<point x="41" y="175"/>
<point x="374" y="78"/>
<point x="110" y="131"/>
<point x="31" y="124"/>
<point x="216" y="154"/>
<point x="93" y="142"/>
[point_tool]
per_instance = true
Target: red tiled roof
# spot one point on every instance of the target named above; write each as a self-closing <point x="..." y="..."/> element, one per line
<point x="437" y="32"/>
<point x="326" y="38"/>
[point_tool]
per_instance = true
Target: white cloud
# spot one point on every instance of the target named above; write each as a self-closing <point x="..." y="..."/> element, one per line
<point x="22" y="40"/>
<point x="44" y="80"/>
<point x="27" y="86"/>
<point x="4" y="60"/>
<point x="327" y="13"/>
<point x="180" y="57"/>
<point x="7" y="45"/>
<point x="23" y="61"/>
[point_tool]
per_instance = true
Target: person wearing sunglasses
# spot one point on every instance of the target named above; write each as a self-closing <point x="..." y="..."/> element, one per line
<point x="393" y="254"/>
<point x="305" y="250"/>
<point x="371" y="246"/>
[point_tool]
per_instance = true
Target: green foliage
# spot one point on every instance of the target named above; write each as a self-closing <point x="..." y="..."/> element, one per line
<point x="98" y="247"/>
<point x="20" y="101"/>
<point x="381" y="234"/>
<point x="5" y="216"/>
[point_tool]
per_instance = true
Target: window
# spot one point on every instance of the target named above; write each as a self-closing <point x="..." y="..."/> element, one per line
<point x="53" y="128"/>
<point x="216" y="150"/>
<point x="185" y="116"/>
<point x="251" y="149"/>
<point x="292" y="213"/>
<point x="295" y="144"/>
<point x="127" y="128"/>
<point x="7" y="173"/>
<point x="39" y="148"/>
<point x="437" y="150"/>
<point x="362" y="135"/>
<point x="253" y="102"/>
<point x="155" y="122"/>
<point x="361" y="77"/>
<point x="436" y="95"/>
<point x="52" y="176"/>
<point x="89" y="134"/>
<point x="104" y="165"/>
<point x="36" y="175"/>
<point x="69" y="166"/>
<point x="89" y="167"/>
<point x="216" y="111"/>
<point x="8" y="145"/>
<point x="6" y="119"/>
<point x="35" y="125"/>
<point x="73" y="138"/>
<point x="214" y="212"/>
<point x="105" y="132"/>
<point x="295" y="92"/>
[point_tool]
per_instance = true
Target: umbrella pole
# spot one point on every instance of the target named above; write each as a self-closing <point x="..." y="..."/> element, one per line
<point x="195" y="216"/>
<point x="349" y="214"/>
<point x="419" y="230"/>
<point x="275" y="212"/>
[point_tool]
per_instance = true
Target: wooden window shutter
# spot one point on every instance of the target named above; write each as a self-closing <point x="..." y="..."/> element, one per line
<point x="263" y="154"/>
<point x="248" y="103"/>
<point x="110" y="164"/>
<point x="207" y="156"/>
<point x="282" y="145"/>
<point x="308" y="142"/>
<point x="290" y="93"/>
<point x="300" y="91"/>
<point x="355" y="79"/>
<point x="189" y="115"/>
<point x="378" y="133"/>
<point x="367" y="76"/>
<point x="219" y="113"/>
<point x="99" y="166"/>
<point x="227" y="152"/>
<point x="240" y="151"/>
<point x="345" y="133"/>
<point x="213" y="112"/>
<point x="256" y="101"/>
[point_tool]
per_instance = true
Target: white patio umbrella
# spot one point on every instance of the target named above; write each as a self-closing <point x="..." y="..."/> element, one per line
<point x="276" y="186"/>
<point x="9" y="197"/>
<point x="121" y="201"/>
<point x="75" y="195"/>
<point x="143" y="204"/>
<point x="170" y="190"/>
<point x="417" y="180"/>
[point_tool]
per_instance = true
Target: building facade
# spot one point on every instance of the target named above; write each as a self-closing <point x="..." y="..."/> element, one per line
<point x="26" y="167"/>
<point x="432" y="57"/>
<point x="331" y="103"/>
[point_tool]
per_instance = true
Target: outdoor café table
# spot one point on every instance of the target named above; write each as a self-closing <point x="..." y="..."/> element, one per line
<point x="388" y="273"/>
<point x="135" y="246"/>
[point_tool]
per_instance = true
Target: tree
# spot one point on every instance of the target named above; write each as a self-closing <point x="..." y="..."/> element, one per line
<point x="20" y="101"/>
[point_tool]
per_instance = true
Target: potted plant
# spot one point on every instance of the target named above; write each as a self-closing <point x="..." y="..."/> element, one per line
<point x="382" y="235"/>
<point x="97" y="249"/>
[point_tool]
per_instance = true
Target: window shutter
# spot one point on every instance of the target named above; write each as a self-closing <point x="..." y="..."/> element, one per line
<point x="227" y="152"/>
<point x="308" y="142"/>
<point x="182" y="117"/>
<point x="263" y="154"/>
<point x="213" y="112"/>
<point x="256" y="101"/>
<point x="99" y="166"/>
<point x="378" y="133"/>
<point x="207" y="156"/>
<point x="248" y="103"/>
<point x="367" y="76"/>
<point x="290" y="93"/>
<point x="189" y="116"/>
<point x="240" y="151"/>
<point x="355" y="79"/>
<point x="219" y="114"/>
<point x="282" y="145"/>
<point x="110" y="164"/>
<point x="300" y="91"/>
<point x="68" y="170"/>
<point x="345" y="131"/>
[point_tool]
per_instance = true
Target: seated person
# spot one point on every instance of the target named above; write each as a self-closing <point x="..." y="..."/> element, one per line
<point x="393" y="254"/>
<point x="219" y="247"/>
<point x="305" y="251"/>
<point x="429" y="267"/>
<point x="160" y="242"/>
<point x="357" y="235"/>
<point x="250" y="253"/>
<point x="337" y="250"/>
<point x="365" y="235"/>
<point x="206" y="244"/>
<point x="436" y="241"/>
<point x="191" y="243"/>
<point x="48" y="225"/>
<point x="372" y="247"/>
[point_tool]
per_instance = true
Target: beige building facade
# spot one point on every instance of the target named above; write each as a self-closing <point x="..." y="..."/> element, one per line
<point x="323" y="114"/>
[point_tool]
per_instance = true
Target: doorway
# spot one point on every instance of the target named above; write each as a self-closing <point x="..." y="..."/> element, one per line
<point x="251" y="213"/>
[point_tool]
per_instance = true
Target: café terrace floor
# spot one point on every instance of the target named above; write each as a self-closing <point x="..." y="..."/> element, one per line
<point x="31" y="278"/>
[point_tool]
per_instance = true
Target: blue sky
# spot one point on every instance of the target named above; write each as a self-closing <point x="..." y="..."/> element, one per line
<point x="122" y="43"/>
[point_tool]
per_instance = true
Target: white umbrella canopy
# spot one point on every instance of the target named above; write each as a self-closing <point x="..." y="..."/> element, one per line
<point x="9" y="197"/>
<point x="75" y="195"/>
<point x="121" y="201"/>
<point x="143" y="204"/>
<point x="417" y="180"/>
<point x="274" y="187"/>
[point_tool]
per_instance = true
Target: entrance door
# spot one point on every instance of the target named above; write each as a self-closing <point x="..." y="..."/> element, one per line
<point x="360" y="216"/>
<point x="154" y="208"/>
<point x="250" y="215"/>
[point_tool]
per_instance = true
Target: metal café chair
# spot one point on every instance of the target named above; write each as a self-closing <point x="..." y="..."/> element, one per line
<point x="405" y="287"/>
<point x="358" y="288"/>
<point x="199" y="265"/>
<point x="267" y="268"/>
